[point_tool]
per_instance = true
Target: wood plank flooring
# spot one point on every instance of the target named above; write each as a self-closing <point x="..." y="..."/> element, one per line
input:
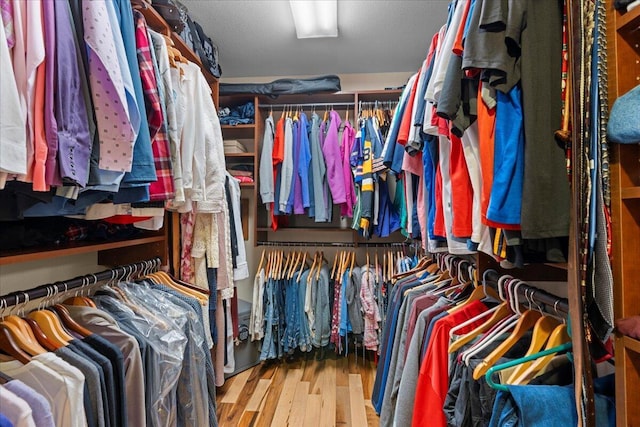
<point x="305" y="392"/>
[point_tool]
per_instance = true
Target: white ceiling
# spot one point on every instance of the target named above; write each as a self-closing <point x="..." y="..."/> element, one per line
<point x="257" y="37"/>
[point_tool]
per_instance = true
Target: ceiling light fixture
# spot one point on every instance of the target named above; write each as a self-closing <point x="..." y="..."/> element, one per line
<point x="315" y="18"/>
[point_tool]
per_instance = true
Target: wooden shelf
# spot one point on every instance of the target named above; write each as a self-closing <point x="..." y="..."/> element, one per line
<point x="630" y="193"/>
<point x="74" y="248"/>
<point x="249" y="155"/>
<point x="247" y="184"/>
<point x="628" y="21"/>
<point x="631" y="344"/>
<point x="242" y="126"/>
<point x="306" y="229"/>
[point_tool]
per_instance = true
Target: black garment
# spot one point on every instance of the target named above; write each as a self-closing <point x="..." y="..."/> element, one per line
<point x="114" y="355"/>
<point x="232" y="225"/>
<point x="106" y="378"/>
<point x="469" y="402"/>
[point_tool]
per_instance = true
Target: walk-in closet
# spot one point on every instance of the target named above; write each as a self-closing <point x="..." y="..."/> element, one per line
<point x="328" y="213"/>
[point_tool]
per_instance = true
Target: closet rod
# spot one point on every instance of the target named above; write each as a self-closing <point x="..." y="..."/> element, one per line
<point x="312" y="104"/>
<point x="42" y="291"/>
<point x="335" y="245"/>
<point x="556" y="305"/>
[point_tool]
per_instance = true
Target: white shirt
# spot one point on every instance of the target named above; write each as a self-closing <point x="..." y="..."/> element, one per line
<point x="203" y="162"/>
<point x="440" y="67"/>
<point x="16" y="410"/>
<point x="50" y="384"/>
<point x="256" y="323"/>
<point x="13" y="131"/>
<point x="74" y="380"/>
<point x="242" y="269"/>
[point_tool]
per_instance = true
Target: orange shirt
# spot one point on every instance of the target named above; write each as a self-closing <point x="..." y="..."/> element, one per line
<point x="458" y="48"/>
<point x="407" y="117"/>
<point x="486" y="138"/>
<point x="40" y="147"/>
<point x="461" y="191"/>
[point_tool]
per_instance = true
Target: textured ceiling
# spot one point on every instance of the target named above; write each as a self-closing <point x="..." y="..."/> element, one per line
<point x="257" y="38"/>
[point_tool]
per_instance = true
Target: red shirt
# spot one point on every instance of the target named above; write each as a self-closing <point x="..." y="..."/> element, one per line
<point x="433" y="380"/>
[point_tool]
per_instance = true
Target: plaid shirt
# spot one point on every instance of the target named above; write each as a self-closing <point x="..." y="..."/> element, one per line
<point x="163" y="188"/>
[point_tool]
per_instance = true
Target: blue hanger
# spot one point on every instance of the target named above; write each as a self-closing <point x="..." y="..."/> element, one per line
<point x="506" y="365"/>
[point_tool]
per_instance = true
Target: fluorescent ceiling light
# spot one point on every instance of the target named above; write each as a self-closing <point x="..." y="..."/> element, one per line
<point x="315" y="18"/>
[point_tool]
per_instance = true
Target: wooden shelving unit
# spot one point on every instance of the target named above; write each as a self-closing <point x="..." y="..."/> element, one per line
<point x="251" y="136"/>
<point x="624" y="74"/>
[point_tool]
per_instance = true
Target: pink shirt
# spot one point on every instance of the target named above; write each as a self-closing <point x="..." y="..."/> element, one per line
<point x="331" y="151"/>
<point x="348" y="137"/>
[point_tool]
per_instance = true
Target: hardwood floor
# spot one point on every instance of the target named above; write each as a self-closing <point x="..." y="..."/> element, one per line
<point x="306" y="392"/>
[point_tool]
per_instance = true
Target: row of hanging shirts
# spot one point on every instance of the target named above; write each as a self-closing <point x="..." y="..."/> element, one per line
<point x="309" y="165"/>
<point x="131" y="354"/>
<point x="450" y="336"/>
<point x="303" y="301"/>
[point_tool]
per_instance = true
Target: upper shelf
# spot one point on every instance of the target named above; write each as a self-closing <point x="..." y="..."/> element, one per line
<point x="74" y="248"/>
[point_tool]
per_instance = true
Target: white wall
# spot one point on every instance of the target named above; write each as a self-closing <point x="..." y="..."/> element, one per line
<point x="27" y="275"/>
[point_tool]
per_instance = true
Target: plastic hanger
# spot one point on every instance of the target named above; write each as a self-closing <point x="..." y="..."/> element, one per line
<point x="549" y="352"/>
<point x="502" y="325"/>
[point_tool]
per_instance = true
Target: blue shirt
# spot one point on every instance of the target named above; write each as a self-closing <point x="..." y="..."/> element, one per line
<point x="505" y="203"/>
<point x="143" y="169"/>
<point x="304" y="161"/>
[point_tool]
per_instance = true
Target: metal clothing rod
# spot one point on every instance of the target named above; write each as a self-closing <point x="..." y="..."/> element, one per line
<point x="335" y="245"/>
<point x="312" y="104"/>
<point x="536" y="296"/>
<point x="52" y="289"/>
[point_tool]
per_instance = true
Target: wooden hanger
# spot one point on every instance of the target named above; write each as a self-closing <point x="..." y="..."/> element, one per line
<point x="302" y="265"/>
<point x="558" y="337"/>
<point x="542" y="330"/>
<point x="312" y="269"/>
<point x="525" y="323"/>
<point x="23" y="335"/>
<point x="69" y="322"/>
<point x="353" y="262"/>
<point x="294" y="267"/>
<point x="10" y="346"/>
<point x="165" y="279"/>
<point x="51" y="326"/>
<point x="335" y="262"/>
<point x="42" y="339"/>
<point x="261" y="260"/>
<point x="267" y="267"/>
